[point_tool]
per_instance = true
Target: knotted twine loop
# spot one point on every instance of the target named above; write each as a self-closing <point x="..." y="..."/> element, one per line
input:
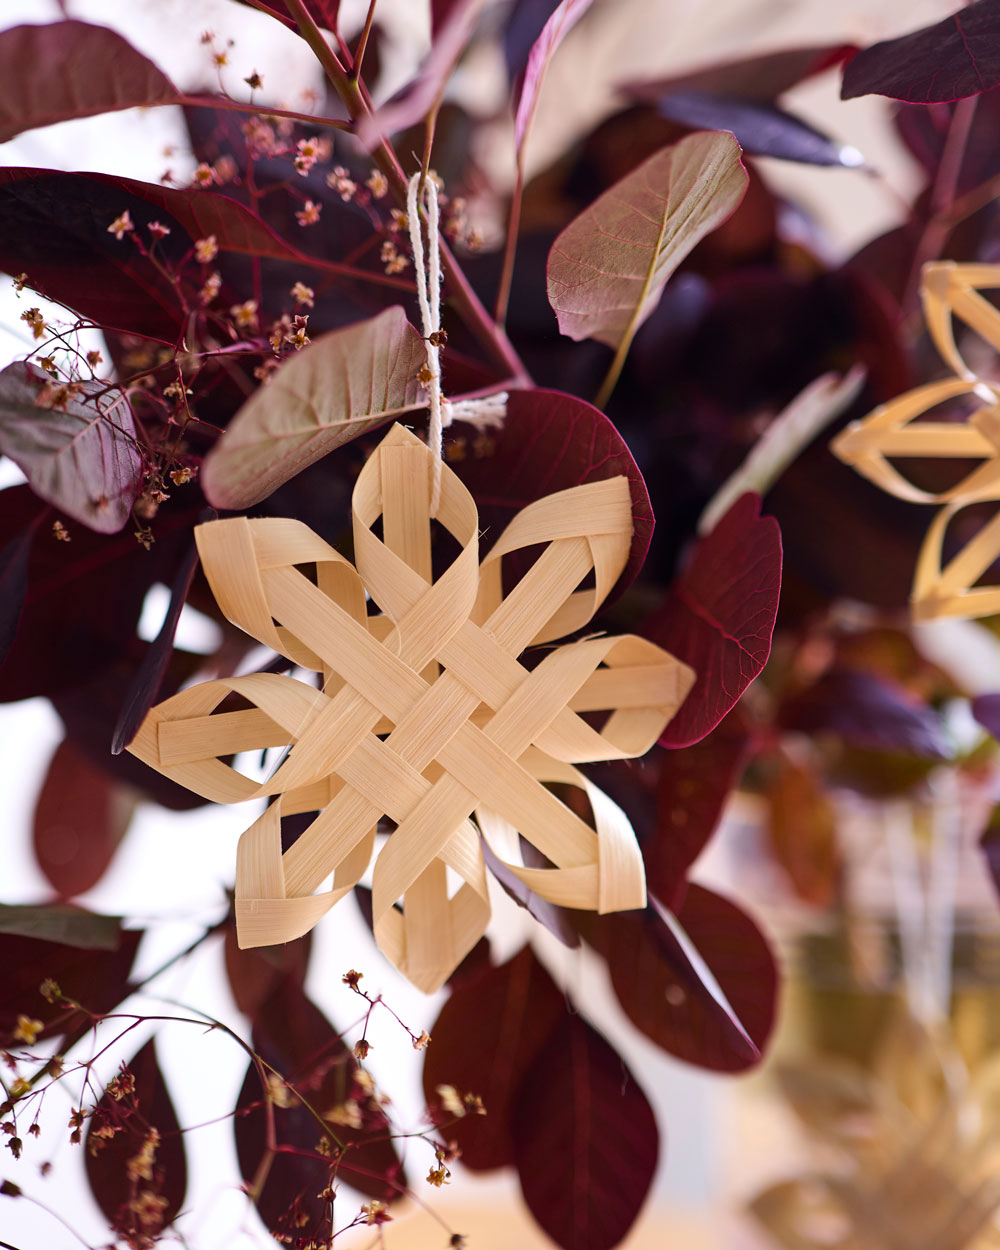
<point x="489" y="411"/>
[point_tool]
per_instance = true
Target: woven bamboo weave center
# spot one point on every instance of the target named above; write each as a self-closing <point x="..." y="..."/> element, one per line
<point x="425" y="715"/>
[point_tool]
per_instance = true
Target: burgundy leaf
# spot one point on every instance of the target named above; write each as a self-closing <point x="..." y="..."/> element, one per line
<point x="555" y="30"/>
<point x="986" y="710"/>
<point x="324" y="12"/>
<point x="80" y="818"/>
<point x="91" y="709"/>
<point x="54" y="226"/>
<point x="96" y="978"/>
<point x="139" y="1189"/>
<point x="585" y="1138"/>
<point x="255" y="973"/>
<point x="550" y="915"/>
<point x="951" y="60"/>
<point x="14" y="582"/>
<point x="868" y="711"/>
<point x="412" y="104"/>
<point x="490" y="1033"/>
<point x="762" y="77"/>
<point x="84" y="598"/>
<point x="989" y="844"/>
<point x="719" y="616"/>
<point x="663" y="993"/>
<point x="62" y="923"/>
<point x="694" y="784"/>
<point x="88" y="70"/>
<point x="293" y="1036"/>
<point x="549" y="442"/>
<point x="523" y="26"/>
<point x="81" y="455"/>
<point x="759" y="127"/>
<point x="803" y="829"/>
<point x="150" y="674"/>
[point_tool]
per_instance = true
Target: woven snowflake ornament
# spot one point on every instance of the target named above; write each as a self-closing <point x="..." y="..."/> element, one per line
<point x="897" y="429"/>
<point x="424" y="715"/>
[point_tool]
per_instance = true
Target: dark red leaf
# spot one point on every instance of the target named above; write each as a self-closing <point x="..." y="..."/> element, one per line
<point x="71" y="256"/>
<point x="14" y="581"/>
<point x="91" y="710"/>
<point x="81" y="456"/>
<point x="694" y="784"/>
<point x="84" y="598"/>
<point x="490" y="1033"/>
<point x="80" y="817"/>
<point x="869" y="711"/>
<point x="296" y="1039"/>
<point x="663" y="992"/>
<point x="88" y="70"/>
<point x="324" y="12"/>
<point x="989" y="844"/>
<point x="151" y="672"/>
<point x="120" y="1194"/>
<point x="719" y="616"/>
<point x="986" y="710"/>
<point x="951" y="60"/>
<point x="95" y="978"/>
<point x="523" y="26"/>
<point x="585" y="1138"/>
<point x="63" y="923"/>
<point x="755" y="78"/>
<point x="549" y="442"/>
<point x="254" y="974"/>
<point x="803" y="829"/>
<point x="760" y="128"/>
<point x="554" y="918"/>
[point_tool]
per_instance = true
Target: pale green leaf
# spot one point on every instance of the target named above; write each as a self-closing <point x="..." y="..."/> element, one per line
<point x="607" y="269"/>
<point x="344" y="384"/>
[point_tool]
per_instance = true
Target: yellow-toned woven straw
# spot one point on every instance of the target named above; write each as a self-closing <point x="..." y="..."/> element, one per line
<point x="425" y="715"/>
<point x="897" y="429"/>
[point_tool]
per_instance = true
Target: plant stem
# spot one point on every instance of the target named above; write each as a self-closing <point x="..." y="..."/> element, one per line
<point x="466" y="301"/>
<point x="936" y="231"/>
<point x="359" y="56"/>
<point x="259" y="110"/>
<point x="510" y="248"/>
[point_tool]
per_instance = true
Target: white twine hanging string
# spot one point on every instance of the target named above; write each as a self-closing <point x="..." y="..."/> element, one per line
<point x="489" y="410"/>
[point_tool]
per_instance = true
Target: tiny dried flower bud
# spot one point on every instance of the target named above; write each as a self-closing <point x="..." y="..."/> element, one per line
<point x="35" y="319"/>
<point x="205" y="175"/>
<point x="438" y="339"/>
<point x="94" y="358"/>
<point x="121" y="225"/>
<point x="15" y="1146"/>
<point x="361" y="1049"/>
<point x="144" y="536"/>
<point x="422" y="1042"/>
<point x="352" y="978"/>
<point x="378" y="184"/>
<point x="254" y="81"/>
<point x="20" y="281"/>
<point x="206" y="250"/>
<point x="438" y="1176"/>
<point x="450" y="1100"/>
<point x="398" y="220"/>
<point x="303" y="294"/>
<point x="210" y="291"/>
<point x="245" y="314"/>
<point x="158" y="230"/>
<point x="27" y="1030"/>
<point x="182" y="475"/>
<point x="61" y="535"/>
<point x="309" y="214"/>
<point x="375" y="1212"/>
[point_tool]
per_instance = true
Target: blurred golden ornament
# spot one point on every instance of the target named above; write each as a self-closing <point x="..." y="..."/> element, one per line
<point x="896" y="429"/>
